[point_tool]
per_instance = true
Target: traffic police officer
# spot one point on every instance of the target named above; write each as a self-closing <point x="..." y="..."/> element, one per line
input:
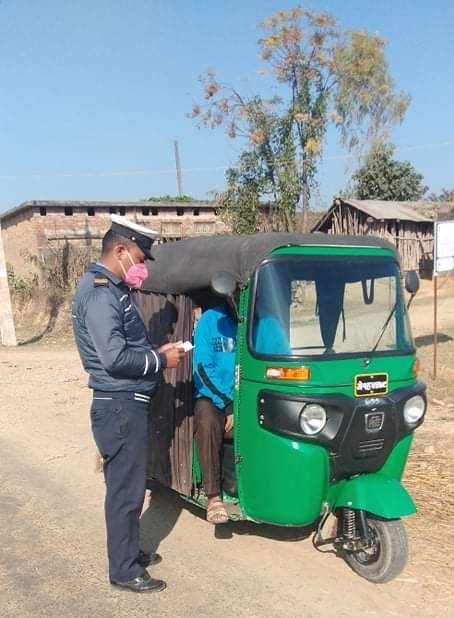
<point x="123" y="367"/>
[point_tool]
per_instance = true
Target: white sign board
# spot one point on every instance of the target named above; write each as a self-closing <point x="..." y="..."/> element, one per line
<point x="443" y="246"/>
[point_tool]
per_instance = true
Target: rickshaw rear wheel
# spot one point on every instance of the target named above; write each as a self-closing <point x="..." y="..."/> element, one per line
<point x="387" y="554"/>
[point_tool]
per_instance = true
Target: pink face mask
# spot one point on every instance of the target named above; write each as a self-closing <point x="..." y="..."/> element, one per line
<point x="135" y="275"/>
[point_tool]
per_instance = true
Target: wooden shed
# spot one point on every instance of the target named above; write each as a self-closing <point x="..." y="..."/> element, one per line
<point x="406" y="226"/>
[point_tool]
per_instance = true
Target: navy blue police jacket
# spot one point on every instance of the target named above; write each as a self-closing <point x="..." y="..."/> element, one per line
<point x="112" y="340"/>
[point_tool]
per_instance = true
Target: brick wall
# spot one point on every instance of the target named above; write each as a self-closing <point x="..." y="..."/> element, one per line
<point x="19" y="236"/>
<point x="32" y="228"/>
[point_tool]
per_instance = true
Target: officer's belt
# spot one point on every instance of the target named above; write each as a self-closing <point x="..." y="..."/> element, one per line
<point x="121" y="395"/>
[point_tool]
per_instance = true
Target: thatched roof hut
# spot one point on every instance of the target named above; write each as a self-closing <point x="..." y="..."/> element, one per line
<point x="407" y="225"/>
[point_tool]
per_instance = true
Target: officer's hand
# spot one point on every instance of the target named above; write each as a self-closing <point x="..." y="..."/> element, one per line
<point x="228" y="423"/>
<point x="173" y="356"/>
<point x="169" y="346"/>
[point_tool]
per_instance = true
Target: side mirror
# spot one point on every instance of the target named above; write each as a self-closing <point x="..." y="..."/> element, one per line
<point x="412" y="282"/>
<point x="223" y="284"/>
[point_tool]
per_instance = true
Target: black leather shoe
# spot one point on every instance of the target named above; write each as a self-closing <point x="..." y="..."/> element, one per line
<point x="143" y="583"/>
<point x="145" y="560"/>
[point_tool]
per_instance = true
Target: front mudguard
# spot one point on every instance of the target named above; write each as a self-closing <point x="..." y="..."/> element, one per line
<point x="376" y="493"/>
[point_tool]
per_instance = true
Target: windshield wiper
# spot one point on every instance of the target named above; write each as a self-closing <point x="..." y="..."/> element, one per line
<point x="385" y="326"/>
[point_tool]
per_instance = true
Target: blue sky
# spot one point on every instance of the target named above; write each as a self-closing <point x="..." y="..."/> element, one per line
<point x="93" y="92"/>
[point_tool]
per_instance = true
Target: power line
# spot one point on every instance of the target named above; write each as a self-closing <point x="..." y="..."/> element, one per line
<point x="189" y="170"/>
<point x="99" y="174"/>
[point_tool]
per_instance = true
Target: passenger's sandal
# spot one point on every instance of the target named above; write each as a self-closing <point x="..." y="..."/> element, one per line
<point x="216" y="513"/>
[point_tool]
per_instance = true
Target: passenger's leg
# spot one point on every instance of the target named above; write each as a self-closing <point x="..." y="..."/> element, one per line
<point x="209" y="424"/>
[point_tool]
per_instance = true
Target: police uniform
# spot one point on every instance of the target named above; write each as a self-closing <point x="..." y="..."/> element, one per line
<point x="123" y="367"/>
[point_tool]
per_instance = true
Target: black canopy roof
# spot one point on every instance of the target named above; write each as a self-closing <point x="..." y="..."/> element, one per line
<point x="185" y="266"/>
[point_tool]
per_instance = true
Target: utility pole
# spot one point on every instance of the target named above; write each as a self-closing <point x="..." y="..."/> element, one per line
<point x="178" y="166"/>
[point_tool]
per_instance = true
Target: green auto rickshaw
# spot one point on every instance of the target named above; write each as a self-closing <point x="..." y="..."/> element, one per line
<point x="323" y="422"/>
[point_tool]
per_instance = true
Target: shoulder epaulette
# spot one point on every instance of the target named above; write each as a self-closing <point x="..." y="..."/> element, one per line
<point x="97" y="281"/>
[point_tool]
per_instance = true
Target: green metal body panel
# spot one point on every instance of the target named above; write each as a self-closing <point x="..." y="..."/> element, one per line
<point x="376" y="493"/>
<point x="361" y="492"/>
<point x="286" y="482"/>
<point x="281" y="481"/>
<point x="196" y="471"/>
<point x="395" y="464"/>
<point x="336" y="250"/>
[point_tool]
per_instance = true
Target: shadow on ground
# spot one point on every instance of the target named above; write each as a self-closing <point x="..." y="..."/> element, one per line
<point x="424" y="340"/>
<point x="165" y="507"/>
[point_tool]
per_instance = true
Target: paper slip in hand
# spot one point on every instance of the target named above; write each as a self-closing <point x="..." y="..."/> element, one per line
<point x="186" y="346"/>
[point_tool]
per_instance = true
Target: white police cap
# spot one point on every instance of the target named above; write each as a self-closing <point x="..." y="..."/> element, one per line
<point x="142" y="236"/>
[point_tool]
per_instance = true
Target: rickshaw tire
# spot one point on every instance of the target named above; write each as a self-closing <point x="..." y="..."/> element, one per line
<point x="393" y="552"/>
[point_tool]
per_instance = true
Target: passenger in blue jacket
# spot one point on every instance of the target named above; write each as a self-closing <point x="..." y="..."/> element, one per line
<point x="123" y="367"/>
<point x="213" y="378"/>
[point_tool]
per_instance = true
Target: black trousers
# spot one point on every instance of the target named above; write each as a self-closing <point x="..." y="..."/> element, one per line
<point x="120" y="429"/>
<point x="209" y="432"/>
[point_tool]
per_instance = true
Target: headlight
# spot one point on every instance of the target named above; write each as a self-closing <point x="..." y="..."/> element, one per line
<point x="414" y="409"/>
<point x="312" y="419"/>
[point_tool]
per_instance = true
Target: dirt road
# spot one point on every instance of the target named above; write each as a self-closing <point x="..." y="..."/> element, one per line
<point x="52" y="557"/>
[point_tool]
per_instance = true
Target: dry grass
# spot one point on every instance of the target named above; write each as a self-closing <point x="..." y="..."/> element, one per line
<point x="429" y="478"/>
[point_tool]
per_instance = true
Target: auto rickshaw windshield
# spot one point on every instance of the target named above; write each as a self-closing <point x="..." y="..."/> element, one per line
<point x="325" y="305"/>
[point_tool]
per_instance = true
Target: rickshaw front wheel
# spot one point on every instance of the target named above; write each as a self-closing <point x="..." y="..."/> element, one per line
<point x="387" y="552"/>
